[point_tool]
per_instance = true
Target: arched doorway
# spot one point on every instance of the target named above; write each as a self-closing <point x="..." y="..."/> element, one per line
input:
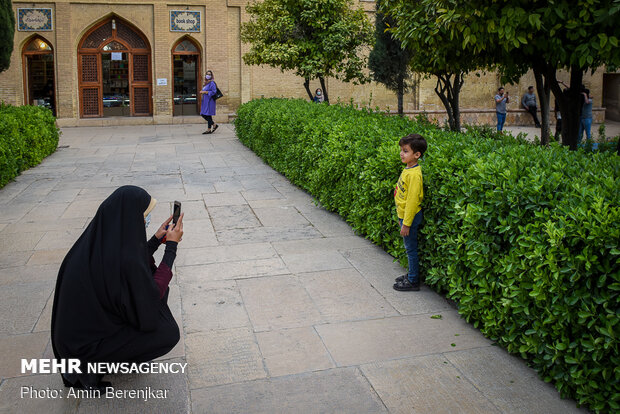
<point x="186" y="77"/>
<point x="114" y="66"/>
<point x="39" y="81"/>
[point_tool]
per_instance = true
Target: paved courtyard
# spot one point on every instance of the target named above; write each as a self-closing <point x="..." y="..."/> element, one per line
<point x="283" y="309"/>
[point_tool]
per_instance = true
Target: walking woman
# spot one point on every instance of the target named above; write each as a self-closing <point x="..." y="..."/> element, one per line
<point x="207" y="107"/>
<point x="110" y="302"/>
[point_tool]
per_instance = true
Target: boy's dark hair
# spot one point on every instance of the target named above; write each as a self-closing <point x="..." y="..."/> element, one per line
<point x="416" y="142"/>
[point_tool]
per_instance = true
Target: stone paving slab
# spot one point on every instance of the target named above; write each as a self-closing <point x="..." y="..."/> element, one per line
<point x="278" y="302"/>
<point x="217" y="254"/>
<point x="266" y="234"/>
<point x="344" y="295"/>
<point x="354" y="343"/>
<point x="509" y="383"/>
<point x="380" y="270"/>
<point x="21" y="305"/>
<point x="19" y="242"/>
<point x="426" y="384"/>
<point x="282" y="216"/>
<point x="232" y="270"/>
<point x="334" y="391"/>
<point x="212" y="305"/>
<point x="293" y="351"/>
<point x="233" y="217"/>
<point x="29" y="345"/>
<point x="223" y="357"/>
<point x="315" y="261"/>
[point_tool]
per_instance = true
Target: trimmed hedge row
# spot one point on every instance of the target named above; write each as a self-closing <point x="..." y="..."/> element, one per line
<point x="27" y="135"/>
<point x="523" y="238"/>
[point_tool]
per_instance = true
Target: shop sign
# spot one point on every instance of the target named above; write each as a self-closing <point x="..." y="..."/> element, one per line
<point x="184" y="21"/>
<point x="31" y="20"/>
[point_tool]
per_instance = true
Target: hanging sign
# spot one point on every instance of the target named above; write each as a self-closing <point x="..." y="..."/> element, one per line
<point x="31" y="20"/>
<point x="184" y="21"/>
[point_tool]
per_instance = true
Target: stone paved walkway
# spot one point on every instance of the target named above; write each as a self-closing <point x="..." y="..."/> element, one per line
<point x="283" y="308"/>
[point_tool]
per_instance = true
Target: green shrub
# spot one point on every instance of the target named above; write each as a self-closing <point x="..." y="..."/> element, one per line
<point x="524" y="238"/>
<point x="27" y="135"/>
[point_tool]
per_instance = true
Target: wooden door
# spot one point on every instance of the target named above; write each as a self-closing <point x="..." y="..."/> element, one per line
<point x="91" y="102"/>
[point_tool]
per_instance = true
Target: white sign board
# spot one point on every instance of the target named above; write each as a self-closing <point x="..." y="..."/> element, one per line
<point x="162" y="81"/>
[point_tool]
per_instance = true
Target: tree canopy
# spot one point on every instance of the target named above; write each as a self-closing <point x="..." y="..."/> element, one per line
<point x="313" y="38"/>
<point x="436" y="50"/>
<point x="389" y="60"/>
<point x="577" y="35"/>
<point x="7" y="31"/>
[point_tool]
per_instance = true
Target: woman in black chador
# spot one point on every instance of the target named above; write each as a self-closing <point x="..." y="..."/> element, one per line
<point x="110" y="303"/>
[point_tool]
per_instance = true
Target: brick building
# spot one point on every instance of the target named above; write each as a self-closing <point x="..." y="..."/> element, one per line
<point x="142" y="61"/>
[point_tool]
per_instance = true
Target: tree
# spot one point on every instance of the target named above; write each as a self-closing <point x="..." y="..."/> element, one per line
<point x="389" y="60"/>
<point x="7" y="31"/>
<point x="314" y="38"/>
<point x="436" y="51"/>
<point x="577" y="35"/>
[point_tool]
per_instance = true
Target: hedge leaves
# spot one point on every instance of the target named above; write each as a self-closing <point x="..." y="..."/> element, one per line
<point x="27" y="135"/>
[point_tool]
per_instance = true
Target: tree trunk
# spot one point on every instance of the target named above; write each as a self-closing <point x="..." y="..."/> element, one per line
<point x="400" y="93"/>
<point x="325" y="95"/>
<point x="307" y="86"/>
<point x="570" y="104"/>
<point x="456" y="93"/>
<point x="542" y="87"/>
<point x="448" y="92"/>
<point x="570" y="127"/>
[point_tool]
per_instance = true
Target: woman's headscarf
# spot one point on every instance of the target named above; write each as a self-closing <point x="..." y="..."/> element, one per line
<point x="105" y="283"/>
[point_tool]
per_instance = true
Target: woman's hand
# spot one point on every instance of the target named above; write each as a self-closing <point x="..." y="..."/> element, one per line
<point x="175" y="233"/>
<point x="161" y="231"/>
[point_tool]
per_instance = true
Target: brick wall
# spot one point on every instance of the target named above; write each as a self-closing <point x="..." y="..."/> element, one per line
<point x="221" y="51"/>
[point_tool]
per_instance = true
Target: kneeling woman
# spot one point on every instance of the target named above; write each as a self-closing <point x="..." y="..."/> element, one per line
<point x="110" y="303"/>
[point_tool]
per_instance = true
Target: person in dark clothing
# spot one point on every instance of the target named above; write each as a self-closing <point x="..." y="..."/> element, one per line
<point x="529" y="103"/>
<point x="110" y="302"/>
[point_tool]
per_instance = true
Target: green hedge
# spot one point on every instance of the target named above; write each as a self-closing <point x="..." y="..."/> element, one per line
<point x="523" y="238"/>
<point x="27" y="135"/>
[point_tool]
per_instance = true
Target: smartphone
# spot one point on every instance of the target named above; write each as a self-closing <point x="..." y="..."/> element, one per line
<point x="176" y="212"/>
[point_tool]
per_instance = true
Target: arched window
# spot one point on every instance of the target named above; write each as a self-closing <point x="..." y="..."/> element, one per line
<point x="186" y="77"/>
<point x="39" y="79"/>
<point x="114" y="65"/>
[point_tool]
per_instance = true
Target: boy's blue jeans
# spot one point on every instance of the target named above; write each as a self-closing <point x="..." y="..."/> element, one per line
<point x="411" y="246"/>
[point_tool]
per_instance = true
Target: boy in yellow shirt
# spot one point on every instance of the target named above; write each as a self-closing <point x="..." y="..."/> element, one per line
<point x="408" y="196"/>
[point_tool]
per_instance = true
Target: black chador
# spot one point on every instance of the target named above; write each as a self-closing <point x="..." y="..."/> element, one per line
<point x="109" y="305"/>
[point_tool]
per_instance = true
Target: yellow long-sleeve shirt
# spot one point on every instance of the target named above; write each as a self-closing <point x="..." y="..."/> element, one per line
<point x="409" y="194"/>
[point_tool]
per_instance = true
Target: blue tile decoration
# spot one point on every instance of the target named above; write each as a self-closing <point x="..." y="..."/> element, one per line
<point x="184" y="21"/>
<point x="34" y="20"/>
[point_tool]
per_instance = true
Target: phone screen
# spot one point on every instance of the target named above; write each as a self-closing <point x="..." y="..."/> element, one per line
<point x="176" y="212"/>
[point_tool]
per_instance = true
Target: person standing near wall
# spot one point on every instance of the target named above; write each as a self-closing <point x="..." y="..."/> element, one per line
<point x="529" y="103"/>
<point x="207" y="107"/>
<point x="585" y="122"/>
<point x="501" y="99"/>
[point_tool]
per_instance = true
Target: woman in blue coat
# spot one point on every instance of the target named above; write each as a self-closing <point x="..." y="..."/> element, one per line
<point x="207" y="107"/>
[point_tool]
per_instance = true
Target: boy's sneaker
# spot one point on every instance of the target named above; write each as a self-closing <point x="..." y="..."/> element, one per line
<point x="406" y="286"/>
<point x="400" y="278"/>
